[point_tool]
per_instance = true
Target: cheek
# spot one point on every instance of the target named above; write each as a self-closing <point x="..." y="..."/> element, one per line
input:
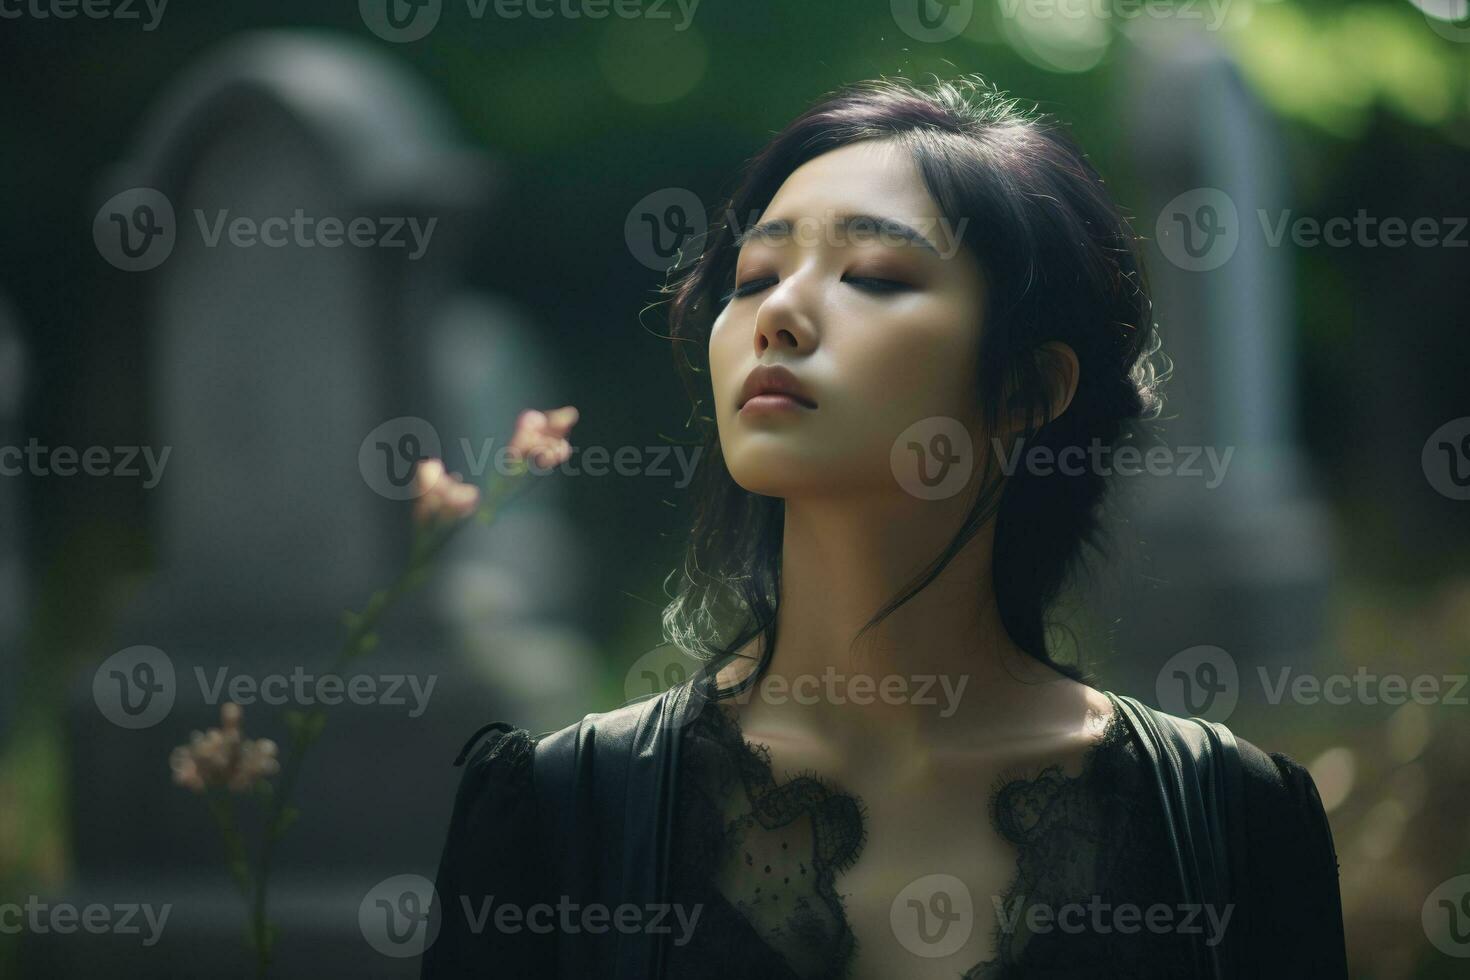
<point x="723" y="355"/>
<point x="920" y="364"/>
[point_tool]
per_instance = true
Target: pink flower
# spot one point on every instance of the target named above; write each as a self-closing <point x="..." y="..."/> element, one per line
<point x="542" y="436"/>
<point x="220" y="757"/>
<point x="441" y="495"/>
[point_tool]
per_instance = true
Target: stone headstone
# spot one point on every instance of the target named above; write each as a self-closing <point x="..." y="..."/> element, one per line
<point x="293" y="383"/>
<point x="1232" y="575"/>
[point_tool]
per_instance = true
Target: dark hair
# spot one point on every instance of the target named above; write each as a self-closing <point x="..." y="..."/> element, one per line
<point x="1060" y="264"/>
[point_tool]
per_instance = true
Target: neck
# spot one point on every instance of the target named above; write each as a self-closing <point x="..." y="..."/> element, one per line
<point x="934" y="668"/>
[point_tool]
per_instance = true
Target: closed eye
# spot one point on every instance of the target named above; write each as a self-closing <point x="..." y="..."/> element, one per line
<point x="874" y="284"/>
<point x="869" y="283"/>
<point x="748" y="288"/>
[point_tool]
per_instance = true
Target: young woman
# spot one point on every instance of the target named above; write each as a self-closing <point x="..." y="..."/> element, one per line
<point x="882" y="772"/>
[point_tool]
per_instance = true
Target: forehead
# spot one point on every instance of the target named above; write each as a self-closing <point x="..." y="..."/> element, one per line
<point x="873" y="176"/>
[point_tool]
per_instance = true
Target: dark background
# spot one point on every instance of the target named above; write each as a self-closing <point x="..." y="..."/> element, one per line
<point x="1371" y="110"/>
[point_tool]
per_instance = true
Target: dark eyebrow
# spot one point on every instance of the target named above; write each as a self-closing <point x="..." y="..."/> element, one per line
<point x="781" y="227"/>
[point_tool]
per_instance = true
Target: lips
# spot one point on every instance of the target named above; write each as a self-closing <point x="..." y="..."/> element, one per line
<point x="773" y="379"/>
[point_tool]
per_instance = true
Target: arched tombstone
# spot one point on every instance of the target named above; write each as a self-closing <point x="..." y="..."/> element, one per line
<point x="1234" y="568"/>
<point x="13" y="584"/>
<point x="294" y="218"/>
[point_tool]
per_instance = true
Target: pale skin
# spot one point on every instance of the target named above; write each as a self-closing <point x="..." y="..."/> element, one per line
<point x="876" y="359"/>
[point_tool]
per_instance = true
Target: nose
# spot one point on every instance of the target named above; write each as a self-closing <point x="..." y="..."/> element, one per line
<point x="784" y="319"/>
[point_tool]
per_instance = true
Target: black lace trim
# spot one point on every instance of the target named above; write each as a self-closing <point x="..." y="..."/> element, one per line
<point x="509" y="752"/>
<point x="716" y="759"/>
<point x="1075" y="836"/>
<point x="1057" y="824"/>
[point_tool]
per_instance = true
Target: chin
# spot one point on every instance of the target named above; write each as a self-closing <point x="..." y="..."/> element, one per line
<point x="775" y="472"/>
<point x="793" y="471"/>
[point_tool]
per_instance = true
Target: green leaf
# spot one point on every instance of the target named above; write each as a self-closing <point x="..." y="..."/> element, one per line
<point x="288" y="816"/>
<point x="376" y="603"/>
<point x="295" y="723"/>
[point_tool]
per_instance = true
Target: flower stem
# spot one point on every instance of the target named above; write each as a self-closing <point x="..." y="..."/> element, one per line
<point x="427" y="544"/>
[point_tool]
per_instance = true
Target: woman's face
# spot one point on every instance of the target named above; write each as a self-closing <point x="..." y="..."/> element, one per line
<point x="879" y="329"/>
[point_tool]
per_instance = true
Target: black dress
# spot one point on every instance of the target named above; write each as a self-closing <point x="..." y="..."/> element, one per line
<point x="754" y="884"/>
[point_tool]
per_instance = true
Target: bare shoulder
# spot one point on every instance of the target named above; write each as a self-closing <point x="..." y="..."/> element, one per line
<point x="1080" y="719"/>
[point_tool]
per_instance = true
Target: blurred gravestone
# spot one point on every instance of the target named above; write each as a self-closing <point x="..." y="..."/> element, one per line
<point x="1236" y="552"/>
<point x="308" y="341"/>
<point x="12" y="529"/>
